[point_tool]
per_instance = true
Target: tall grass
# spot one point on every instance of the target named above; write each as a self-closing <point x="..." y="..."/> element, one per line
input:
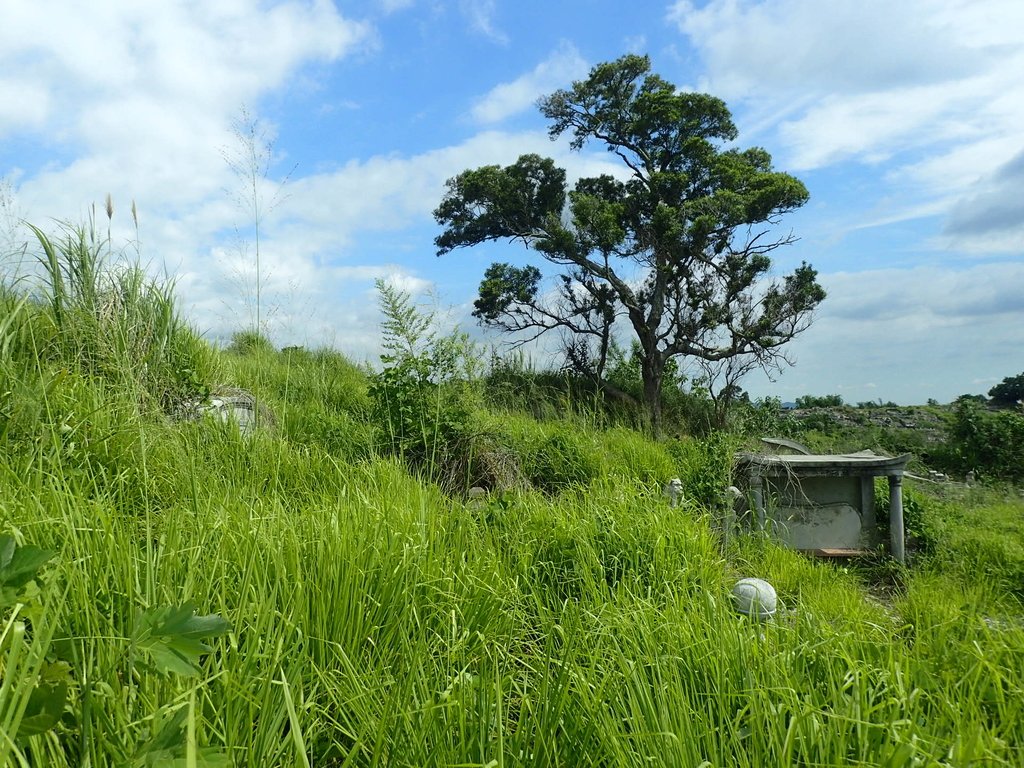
<point x="110" y="318"/>
<point x="377" y="620"/>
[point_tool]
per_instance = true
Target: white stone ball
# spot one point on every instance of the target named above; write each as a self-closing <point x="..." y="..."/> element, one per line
<point x="755" y="598"/>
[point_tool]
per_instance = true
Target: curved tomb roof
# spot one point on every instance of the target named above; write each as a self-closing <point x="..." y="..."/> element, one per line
<point x="848" y="464"/>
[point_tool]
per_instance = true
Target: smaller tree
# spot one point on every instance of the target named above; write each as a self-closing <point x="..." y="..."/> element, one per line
<point x="969" y="398"/>
<point x="722" y="379"/>
<point x="1009" y="391"/>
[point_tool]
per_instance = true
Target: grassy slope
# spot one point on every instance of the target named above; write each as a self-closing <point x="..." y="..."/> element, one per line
<point x="378" y="621"/>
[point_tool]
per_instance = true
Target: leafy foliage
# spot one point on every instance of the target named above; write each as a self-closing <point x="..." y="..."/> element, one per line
<point x="19" y="568"/>
<point x="45" y="705"/>
<point x="250" y="342"/>
<point x="168" y="747"/>
<point x="420" y="398"/>
<point x="173" y="637"/>
<point x="706" y="466"/>
<point x="819" y="401"/>
<point x="989" y="443"/>
<point x="1010" y="391"/>
<point x="33" y="692"/>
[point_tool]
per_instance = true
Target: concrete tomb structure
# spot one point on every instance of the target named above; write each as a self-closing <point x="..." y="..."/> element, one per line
<point x="231" y="404"/>
<point x="824" y="504"/>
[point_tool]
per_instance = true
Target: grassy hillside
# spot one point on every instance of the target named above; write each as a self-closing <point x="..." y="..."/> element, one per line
<point x="322" y="592"/>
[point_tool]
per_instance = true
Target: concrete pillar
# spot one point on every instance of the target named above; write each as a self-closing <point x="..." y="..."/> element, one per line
<point x="896" y="546"/>
<point x="757" y="491"/>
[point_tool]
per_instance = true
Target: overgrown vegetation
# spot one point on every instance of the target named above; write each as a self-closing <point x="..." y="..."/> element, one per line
<point x="986" y="443"/>
<point x="180" y="593"/>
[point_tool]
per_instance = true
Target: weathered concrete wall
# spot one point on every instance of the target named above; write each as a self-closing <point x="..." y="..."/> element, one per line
<point x="819" y="513"/>
<point x="819" y="527"/>
<point x="815" y="490"/>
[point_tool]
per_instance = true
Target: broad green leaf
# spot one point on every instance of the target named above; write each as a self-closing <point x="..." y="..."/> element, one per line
<point x="44" y="710"/>
<point x="19" y="566"/>
<point x="173" y="637"/>
<point x="169" y="739"/>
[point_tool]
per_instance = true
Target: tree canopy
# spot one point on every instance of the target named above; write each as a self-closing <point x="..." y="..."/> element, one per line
<point x="1009" y="391"/>
<point x="676" y="246"/>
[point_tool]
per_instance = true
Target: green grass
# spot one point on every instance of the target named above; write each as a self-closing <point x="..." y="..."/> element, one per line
<point x="573" y="619"/>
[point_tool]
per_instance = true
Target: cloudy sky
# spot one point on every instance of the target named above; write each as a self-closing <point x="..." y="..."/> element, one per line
<point x="904" y="119"/>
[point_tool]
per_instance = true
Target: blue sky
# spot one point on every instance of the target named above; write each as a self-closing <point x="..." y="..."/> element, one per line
<point x="905" y="120"/>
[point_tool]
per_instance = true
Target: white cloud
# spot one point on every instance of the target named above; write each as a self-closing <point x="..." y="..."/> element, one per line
<point x="143" y="95"/>
<point x="480" y="14"/>
<point x="635" y="44"/>
<point x="926" y="332"/>
<point x="328" y="225"/>
<point x="137" y="100"/>
<point x="24" y="105"/>
<point x="850" y="46"/>
<point x="933" y="88"/>
<point x="391" y="192"/>
<point x="871" y="77"/>
<point x="201" y="57"/>
<point x="875" y="126"/>
<point x="507" y="99"/>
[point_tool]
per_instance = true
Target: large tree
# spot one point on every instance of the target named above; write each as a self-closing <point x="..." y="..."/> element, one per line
<point x="676" y="245"/>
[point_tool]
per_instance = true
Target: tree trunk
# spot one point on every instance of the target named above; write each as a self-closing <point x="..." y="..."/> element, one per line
<point x="652" y="370"/>
<point x="721" y="404"/>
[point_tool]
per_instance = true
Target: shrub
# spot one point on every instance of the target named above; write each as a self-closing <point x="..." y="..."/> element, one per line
<point x="1009" y="391"/>
<point x="705" y="466"/>
<point x="988" y="443"/>
<point x="249" y="342"/>
<point x="422" y="399"/>
<point x="819" y="401"/>
<point x="765" y="417"/>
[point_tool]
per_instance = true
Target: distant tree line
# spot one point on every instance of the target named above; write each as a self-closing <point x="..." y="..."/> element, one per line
<point x="819" y="401"/>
